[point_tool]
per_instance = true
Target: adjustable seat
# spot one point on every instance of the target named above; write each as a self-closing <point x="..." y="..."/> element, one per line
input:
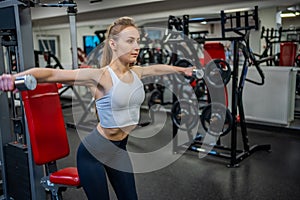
<point x="48" y="137"/>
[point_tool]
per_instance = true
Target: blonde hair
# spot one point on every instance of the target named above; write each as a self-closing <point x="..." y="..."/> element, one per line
<point x="112" y="33"/>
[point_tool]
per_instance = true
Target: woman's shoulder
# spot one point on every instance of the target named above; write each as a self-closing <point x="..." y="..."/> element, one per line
<point x="138" y="70"/>
<point x="101" y="70"/>
<point x="93" y="73"/>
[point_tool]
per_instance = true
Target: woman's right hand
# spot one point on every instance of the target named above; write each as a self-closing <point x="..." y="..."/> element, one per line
<point x="7" y="82"/>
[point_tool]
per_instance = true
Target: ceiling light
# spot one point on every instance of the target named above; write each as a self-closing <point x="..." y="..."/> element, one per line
<point x="196" y="19"/>
<point x="288" y="14"/>
<point x="237" y="10"/>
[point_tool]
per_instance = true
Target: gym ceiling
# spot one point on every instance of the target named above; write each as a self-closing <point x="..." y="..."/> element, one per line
<point x="102" y="12"/>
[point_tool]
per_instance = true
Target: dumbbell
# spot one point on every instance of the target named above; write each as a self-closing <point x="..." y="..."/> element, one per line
<point x="197" y="73"/>
<point x="26" y="82"/>
<point x="217" y="71"/>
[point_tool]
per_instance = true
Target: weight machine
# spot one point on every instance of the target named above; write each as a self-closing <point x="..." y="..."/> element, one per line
<point x="271" y="36"/>
<point x="71" y="11"/>
<point x="239" y="23"/>
<point x="20" y="175"/>
<point x="288" y="46"/>
<point x="289" y="40"/>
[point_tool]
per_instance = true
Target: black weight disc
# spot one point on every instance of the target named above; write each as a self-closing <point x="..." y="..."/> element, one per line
<point x="184" y="114"/>
<point x="205" y="119"/>
<point x="217" y="72"/>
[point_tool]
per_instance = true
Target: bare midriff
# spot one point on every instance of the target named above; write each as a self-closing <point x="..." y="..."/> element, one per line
<point x="115" y="134"/>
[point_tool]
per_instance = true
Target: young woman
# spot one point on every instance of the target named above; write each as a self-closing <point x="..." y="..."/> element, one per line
<point x="119" y="92"/>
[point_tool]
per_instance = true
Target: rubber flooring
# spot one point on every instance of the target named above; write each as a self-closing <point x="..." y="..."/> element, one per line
<point x="264" y="175"/>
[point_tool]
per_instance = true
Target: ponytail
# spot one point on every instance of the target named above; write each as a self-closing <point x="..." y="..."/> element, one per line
<point x="106" y="54"/>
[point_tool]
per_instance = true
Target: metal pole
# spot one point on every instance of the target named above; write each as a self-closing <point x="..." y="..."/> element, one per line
<point x="72" y="11"/>
<point x="73" y="33"/>
<point x="5" y="129"/>
<point x="233" y="161"/>
<point x="26" y="61"/>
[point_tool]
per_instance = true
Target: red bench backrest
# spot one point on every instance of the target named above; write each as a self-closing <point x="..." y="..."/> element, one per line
<point x="46" y="124"/>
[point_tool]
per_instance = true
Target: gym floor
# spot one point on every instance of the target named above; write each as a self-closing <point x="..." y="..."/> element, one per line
<point x="263" y="175"/>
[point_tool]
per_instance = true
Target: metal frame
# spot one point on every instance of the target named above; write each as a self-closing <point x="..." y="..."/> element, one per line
<point x="19" y="30"/>
<point x="234" y="155"/>
<point x="16" y="35"/>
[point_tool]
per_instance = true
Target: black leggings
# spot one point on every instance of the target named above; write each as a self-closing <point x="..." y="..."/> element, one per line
<point x="93" y="152"/>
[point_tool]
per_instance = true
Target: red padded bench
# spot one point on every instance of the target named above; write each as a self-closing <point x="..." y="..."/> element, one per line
<point x="48" y="137"/>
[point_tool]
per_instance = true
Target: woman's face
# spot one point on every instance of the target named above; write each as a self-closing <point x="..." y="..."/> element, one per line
<point x="127" y="46"/>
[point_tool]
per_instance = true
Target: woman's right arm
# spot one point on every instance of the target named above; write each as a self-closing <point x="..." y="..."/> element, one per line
<point x="48" y="75"/>
<point x="85" y="77"/>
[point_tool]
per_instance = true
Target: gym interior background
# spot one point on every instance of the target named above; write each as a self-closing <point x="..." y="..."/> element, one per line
<point x="256" y="157"/>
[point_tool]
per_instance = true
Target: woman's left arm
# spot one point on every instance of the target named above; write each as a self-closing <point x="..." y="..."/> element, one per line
<point x="160" y="69"/>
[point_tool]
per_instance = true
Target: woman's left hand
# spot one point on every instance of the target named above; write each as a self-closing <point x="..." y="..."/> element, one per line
<point x="188" y="71"/>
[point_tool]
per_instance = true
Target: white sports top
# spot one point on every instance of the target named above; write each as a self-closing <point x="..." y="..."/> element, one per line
<point x="120" y="107"/>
